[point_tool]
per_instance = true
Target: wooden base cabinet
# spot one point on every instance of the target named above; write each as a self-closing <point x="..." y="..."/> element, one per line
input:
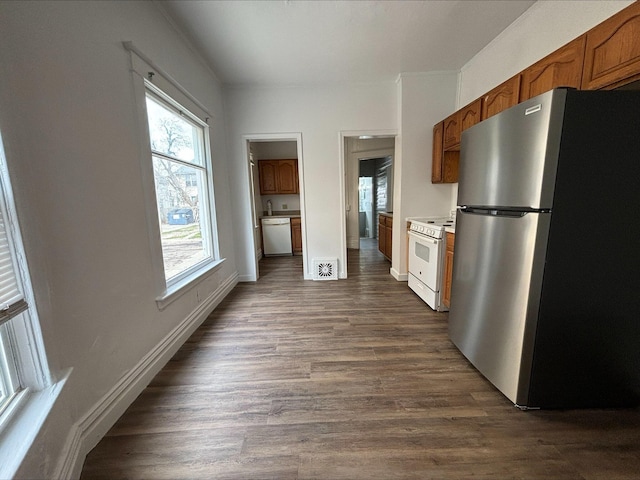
<point x="296" y="236"/>
<point x="385" y="231"/>
<point x="448" y="270"/>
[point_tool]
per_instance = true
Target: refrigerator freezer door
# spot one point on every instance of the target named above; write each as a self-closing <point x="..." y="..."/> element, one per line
<point x="510" y="159"/>
<point x="497" y="279"/>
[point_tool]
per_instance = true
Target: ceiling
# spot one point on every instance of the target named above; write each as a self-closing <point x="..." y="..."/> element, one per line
<point x="302" y="42"/>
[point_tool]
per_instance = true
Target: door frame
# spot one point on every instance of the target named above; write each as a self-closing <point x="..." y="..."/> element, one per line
<point x="274" y="137"/>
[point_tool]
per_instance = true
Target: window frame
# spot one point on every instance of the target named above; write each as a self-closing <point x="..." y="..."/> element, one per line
<point x="171" y="289"/>
<point x="23" y="355"/>
<point x="206" y="204"/>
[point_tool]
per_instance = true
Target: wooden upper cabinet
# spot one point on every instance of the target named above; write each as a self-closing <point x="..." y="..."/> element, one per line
<point x="278" y="176"/>
<point x="288" y="176"/>
<point x="504" y="96"/>
<point x="470" y="115"/>
<point x="268" y="171"/>
<point x="451" y="131"/>
<point x="562" y="68"/>
<point x="444" y="163"/>
<point x="437" y="154"/>
<point x="458" y="122"/>
<point x="612" y="53"/>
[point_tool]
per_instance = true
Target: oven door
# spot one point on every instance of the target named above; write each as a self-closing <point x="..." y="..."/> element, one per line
<point x="424" y="255"/>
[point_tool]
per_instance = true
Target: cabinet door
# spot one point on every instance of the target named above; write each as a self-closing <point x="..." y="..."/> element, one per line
<point x="563" y="68"/>
<point x="470" y="115"/>
<point x="296" y="236"/>
<point x="502" y="97"/>
<point x="388" y="234"/>
<point x="268" y="176"/>
<point x="287" y="176"/>
<point x="437" y="153"/>
<point x="448" y="270"/>
<point x="451" y="131"/>
<point x="612" y="53"/>
<point x="382" y="235"/>
<point x="450" y="166"/>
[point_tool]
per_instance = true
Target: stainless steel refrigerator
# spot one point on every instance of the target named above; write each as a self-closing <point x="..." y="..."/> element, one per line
<point x="546" y="275"/>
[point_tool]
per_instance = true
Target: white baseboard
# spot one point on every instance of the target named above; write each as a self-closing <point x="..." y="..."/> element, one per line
<point x="89" y="430"/>
<point x="246" y="278"/>
<point x="401" y="277"/>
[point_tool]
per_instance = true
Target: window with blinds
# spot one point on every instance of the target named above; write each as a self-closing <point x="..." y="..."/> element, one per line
<point x="12" y="300"/>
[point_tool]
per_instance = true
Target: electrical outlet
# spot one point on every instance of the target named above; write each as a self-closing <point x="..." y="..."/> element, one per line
<point x="285" y="206"/>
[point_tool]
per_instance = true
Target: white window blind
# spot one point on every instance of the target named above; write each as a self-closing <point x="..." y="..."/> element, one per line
<point x="12" y="300"/>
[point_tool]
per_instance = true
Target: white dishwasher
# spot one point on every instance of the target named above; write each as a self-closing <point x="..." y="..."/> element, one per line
<point x="276" y="236"/>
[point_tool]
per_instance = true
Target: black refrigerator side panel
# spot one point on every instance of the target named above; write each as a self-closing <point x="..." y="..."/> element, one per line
<point x="587" y="347"/>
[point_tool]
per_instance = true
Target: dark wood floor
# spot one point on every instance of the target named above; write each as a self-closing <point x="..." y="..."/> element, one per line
<point x="350" y="379"/>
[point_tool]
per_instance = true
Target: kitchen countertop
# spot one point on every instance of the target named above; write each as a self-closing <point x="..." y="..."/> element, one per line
<point x="281" y="214"/>
<point x="450" y="229"/>
<point x="386" y="214"/>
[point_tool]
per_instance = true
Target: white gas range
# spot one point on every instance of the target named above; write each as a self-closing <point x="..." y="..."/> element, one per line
<point x="426" y="258"/>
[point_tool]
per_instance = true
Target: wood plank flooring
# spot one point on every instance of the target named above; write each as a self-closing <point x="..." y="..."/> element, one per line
<point x="350" y="379"/>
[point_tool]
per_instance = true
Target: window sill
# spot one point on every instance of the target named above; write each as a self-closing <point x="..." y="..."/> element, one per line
<point x="23" y="426"/>
<point x="175" y="291"/>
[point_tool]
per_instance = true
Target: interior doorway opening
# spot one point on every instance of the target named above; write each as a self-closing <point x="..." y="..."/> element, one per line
<point x="369" y="180"/>
<point x="276" y="191"/>
<point x="375" y="188"/>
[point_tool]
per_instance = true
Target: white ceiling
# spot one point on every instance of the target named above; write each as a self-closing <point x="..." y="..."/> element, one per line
<point x="296" y="42"/>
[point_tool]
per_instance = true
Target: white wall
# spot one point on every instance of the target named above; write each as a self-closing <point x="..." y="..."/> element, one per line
<point x="320" y="114"/>
<point x="71" y="134"/>
<point x="423" y="100"/>
<point x="274" y="150"/>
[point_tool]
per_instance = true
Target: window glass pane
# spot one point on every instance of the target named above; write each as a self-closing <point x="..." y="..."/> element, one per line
<point x="7" y="381"/>
<point x="173" y="134"/>
<point x="180" y="197"/>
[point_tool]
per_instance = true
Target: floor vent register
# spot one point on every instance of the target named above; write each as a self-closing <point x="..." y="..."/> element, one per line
<point x="325" y="269"/>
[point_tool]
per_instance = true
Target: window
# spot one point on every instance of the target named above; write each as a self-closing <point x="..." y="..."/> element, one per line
<point x="12" y="304"/>
<point x="22" y="364"/>
<point x="183" y="180"/>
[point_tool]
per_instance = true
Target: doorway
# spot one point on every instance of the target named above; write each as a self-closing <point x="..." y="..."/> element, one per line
<point x="375" y="188"/>
<point x="273" y="149"/>
<point x="368" y="189"/>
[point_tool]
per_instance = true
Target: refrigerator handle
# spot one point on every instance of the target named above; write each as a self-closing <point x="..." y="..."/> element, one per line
<point x="495" y="212"/>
